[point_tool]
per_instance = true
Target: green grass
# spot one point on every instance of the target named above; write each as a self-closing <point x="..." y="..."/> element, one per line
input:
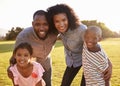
<point x="111" y="47"/>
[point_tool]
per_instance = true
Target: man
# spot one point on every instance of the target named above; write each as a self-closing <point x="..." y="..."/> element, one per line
<point x="42" y="39"/>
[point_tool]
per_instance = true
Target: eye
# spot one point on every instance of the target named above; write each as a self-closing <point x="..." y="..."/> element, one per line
<point x="45" y="24"/>
<point x="37" y="24"/>
<point x="56" y="21"/>
<point x="18" y="54"/>
<point x="26" y="55"/>
<point x="64" y="20"/>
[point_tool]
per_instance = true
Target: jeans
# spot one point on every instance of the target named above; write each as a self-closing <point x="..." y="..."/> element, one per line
<point x="69" y="75"/>
<point x="47" y="77"/>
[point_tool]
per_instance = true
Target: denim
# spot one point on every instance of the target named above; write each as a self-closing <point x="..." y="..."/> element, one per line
<point x="47" y="77"/>
<point x="73" y="45"/>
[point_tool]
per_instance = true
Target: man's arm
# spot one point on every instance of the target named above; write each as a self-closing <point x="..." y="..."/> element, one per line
<point x="108" y="72"/>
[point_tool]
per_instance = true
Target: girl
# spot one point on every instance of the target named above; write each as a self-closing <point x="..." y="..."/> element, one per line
<point x="25" y="72"/>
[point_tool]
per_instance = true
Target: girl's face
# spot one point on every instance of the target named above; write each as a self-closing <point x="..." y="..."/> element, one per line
<point x="91" y="40"/>
<point x="22" y="57"/>
<point x="61" y="22"/>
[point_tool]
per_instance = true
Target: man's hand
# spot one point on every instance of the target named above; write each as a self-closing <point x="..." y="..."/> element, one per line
<point x="108" y="72"/>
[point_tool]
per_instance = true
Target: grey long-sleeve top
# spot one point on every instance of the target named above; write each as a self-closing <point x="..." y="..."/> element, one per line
<point x="73" y="45"/>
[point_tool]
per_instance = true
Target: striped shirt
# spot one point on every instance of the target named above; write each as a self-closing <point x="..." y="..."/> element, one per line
<point x="94" y="64"/>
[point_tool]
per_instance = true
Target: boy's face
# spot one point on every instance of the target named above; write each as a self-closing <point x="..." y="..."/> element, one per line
<point x="22" y="57"/>
<point x="61" y="22"/>
<point x="91" y="39"/>
<point x="40" y="26"/>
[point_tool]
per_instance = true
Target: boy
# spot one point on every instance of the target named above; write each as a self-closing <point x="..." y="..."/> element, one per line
<point x="94" y="59"/>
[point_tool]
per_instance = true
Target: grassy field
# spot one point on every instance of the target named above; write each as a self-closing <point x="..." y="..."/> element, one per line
<point x="111" y="47"/>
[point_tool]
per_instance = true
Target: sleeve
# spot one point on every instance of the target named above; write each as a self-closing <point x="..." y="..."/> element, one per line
<point x="15" y="75"/>
<point x="39" y="70"/>
<point x="98" y="59"/>
<point x="83" y="29"/>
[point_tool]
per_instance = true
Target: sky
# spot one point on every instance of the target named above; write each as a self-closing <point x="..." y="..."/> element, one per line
<point x="19" y="13"/>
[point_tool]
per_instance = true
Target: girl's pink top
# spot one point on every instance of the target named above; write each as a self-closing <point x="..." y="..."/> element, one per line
<point x="32" y="80"/>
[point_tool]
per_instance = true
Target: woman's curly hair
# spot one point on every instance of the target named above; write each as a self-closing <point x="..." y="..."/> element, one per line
<point x="73" y="21"/>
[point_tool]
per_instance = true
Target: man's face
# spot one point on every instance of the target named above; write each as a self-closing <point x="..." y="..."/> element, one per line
<point x="40" y="26"/>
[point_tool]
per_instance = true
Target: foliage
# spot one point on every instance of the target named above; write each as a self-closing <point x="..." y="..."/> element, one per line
<point x="12" y="34"/>
<point x="106" y="32"/>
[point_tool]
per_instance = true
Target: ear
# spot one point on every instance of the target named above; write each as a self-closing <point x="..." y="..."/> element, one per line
<point x="100" y="38"/>
<point x="14" y="55"/>
<point x="32" y="23"/>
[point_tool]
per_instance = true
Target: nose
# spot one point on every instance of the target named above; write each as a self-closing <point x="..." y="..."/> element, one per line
<point x="90" y="40"/>
<point x="41" y="27"/>
<point x="22" y="58"/>
<point x="61" y="24"/>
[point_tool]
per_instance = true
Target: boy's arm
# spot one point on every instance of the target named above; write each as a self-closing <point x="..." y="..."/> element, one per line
<point x="108" y="72"/>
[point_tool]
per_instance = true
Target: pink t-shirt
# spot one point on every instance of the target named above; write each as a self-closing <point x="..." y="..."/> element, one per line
<point x="32" y="80"/>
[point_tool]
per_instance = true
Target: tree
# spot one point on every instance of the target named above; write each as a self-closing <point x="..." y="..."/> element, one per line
<point x="106" y="32"/>
<point x="12" y="34"/>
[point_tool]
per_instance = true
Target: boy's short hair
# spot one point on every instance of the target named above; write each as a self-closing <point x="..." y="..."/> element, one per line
<point x="95" y="29"/>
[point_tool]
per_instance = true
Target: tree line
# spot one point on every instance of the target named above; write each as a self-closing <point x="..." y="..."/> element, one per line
<point x="12" y="34"/>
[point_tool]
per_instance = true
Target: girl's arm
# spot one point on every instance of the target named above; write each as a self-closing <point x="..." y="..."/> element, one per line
<point x="41" y="83"/>
<point x="13" y="82"/>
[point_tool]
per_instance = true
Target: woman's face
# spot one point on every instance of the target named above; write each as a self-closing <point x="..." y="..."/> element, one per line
<point x="61" y="22"/>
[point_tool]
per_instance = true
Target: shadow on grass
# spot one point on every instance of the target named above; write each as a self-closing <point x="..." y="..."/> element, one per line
<point x="6" y="48"/>
<point x="58" y="43"/>
<point x="10" y="46"/>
